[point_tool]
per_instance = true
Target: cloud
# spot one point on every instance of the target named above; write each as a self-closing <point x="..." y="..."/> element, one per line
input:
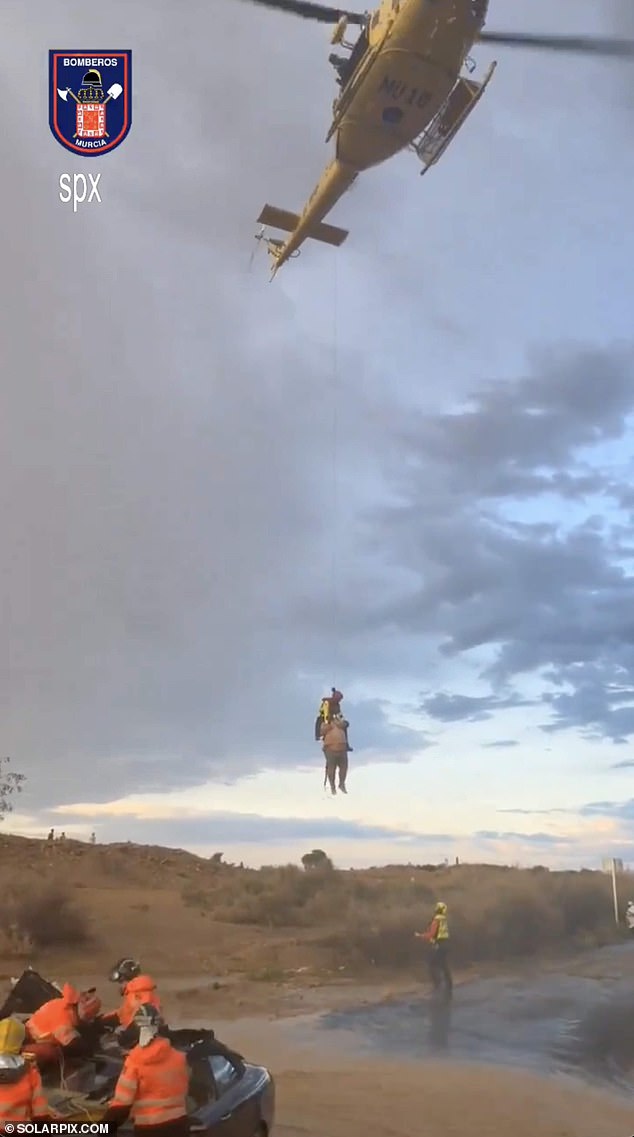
<point x="211" y="499"/>
<point x="219" y="828"/>
<point x="628" y="764"/>
<point x="534" y="812"/>
<point x="620" y="810"/>
<point x="454" y="708"/>
<point x="495" y="567"/>
<point x="500" y="744"/>
<point x="545" y="840"/>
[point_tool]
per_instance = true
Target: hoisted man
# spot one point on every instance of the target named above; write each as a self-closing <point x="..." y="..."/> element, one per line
<point x="330" y="716"/>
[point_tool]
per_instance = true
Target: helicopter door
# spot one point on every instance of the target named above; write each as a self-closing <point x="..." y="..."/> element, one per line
<point x="460" y="102"/>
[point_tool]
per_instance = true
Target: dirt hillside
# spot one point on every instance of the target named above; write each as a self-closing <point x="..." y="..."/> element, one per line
<point x="234" y="944"/>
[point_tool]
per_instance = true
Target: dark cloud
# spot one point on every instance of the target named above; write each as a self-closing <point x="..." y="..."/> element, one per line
<point x="628" y="764"/>
<point x="542" y="595"/>
<point x="454" y="708"/>
<point x="534" y="812"/>
<point x="621" y="810"/>
<point x="372" y="730"/>
<point x="238" y="828"/>
<point x="188" y="556"/>
<point x="597" y="699"/>
<point x="540" y="839"/>
<point x="165" y="451"/>
<point x="500" y="744"/>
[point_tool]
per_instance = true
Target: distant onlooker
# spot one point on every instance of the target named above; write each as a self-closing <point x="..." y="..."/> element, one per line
<point x="51" y="835"/>
<point x="629" y="915"/>
<point x="93" y="839"/>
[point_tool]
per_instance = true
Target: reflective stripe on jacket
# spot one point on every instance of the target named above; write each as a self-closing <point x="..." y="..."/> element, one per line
<point x="23" y="1100"/>
<point x="55" y="1021"/>
<point x="441" y="929"/>
<point x="153" y="1084"/>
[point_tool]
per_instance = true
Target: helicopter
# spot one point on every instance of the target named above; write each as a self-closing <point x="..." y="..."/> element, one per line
<point x="406" y="84"/>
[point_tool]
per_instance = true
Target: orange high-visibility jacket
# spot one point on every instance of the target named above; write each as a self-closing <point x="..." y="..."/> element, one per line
<point x="23" y="1100"/>
<point x="153" y="1084"/>
<point x="136" y="992"/>
<point x="55" y="1021"/>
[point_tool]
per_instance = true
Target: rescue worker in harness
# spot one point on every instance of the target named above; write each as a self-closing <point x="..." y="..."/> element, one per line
<point x="330" y="708"/>
<point x="346" y="68"/>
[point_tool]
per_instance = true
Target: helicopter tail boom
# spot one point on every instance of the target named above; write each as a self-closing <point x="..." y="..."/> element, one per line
<point x="318" y="231"/>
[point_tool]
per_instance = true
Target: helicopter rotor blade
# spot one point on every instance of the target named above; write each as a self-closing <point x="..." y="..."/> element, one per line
<point x="312" y="11"/>
<point x="588" y="45"/>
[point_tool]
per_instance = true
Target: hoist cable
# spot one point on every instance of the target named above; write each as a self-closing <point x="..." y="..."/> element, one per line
<point x="335" y="512"/>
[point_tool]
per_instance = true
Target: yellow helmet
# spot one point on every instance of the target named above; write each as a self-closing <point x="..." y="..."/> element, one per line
<point x="12" y="1035"/>
<point x="441" y="908"/>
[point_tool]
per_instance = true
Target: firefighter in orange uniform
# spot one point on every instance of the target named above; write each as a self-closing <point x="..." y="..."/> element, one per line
<point x="136" y="989"/>
<point x="153" y="1083"/>
<point x="55" y="1029"/>
<point x="21" y="1095"/>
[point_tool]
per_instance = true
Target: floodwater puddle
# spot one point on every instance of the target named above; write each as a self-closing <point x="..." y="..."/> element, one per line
<point x="579" y="1025"/>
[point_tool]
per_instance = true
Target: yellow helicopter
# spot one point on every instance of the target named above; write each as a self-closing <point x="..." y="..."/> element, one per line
<point x="405" y="84"/>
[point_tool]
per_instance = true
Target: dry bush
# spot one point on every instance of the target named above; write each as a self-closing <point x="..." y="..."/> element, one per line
<point x="47" y="917"/>
<point x="369" y="918"/>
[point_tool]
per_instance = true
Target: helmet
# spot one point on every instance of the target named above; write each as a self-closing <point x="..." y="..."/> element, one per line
<point x="12" y="1035"/>
<point x="92" y="78"/>
<point x="12" y="1068"/>
<point x="441" y="908"/>
<point x="89" y="1006"/>
<point x="148" y="1021"/>
<point x="125" y="970"/>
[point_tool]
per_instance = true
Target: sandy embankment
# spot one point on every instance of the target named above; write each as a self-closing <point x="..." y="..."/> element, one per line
<point x="393" y="1101"/>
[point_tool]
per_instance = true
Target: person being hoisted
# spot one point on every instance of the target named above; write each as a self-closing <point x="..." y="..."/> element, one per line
<point x="334" y="736"/>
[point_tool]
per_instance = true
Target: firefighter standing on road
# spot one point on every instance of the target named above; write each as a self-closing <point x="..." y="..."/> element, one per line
<point x="21" y="1095"/>
<point x="153" y="1083"/>
<point x="437" y="936"/>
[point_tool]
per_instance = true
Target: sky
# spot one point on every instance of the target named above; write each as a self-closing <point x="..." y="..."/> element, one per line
<point x="404" y="468"/>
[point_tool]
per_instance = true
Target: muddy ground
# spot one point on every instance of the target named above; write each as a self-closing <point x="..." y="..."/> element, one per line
<point x="545" y="1052"/>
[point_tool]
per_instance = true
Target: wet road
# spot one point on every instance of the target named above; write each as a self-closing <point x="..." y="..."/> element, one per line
<point x="576" y="1024"/>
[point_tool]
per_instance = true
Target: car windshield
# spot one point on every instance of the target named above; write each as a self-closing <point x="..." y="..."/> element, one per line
<point x="225" y="1074"/>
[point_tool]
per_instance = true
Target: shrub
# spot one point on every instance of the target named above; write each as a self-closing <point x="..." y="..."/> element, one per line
<point x="49" y="918"/>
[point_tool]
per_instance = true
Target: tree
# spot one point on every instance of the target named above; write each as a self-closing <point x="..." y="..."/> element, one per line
<point x="316" y="860"/>
<point x="10" y="784"/>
